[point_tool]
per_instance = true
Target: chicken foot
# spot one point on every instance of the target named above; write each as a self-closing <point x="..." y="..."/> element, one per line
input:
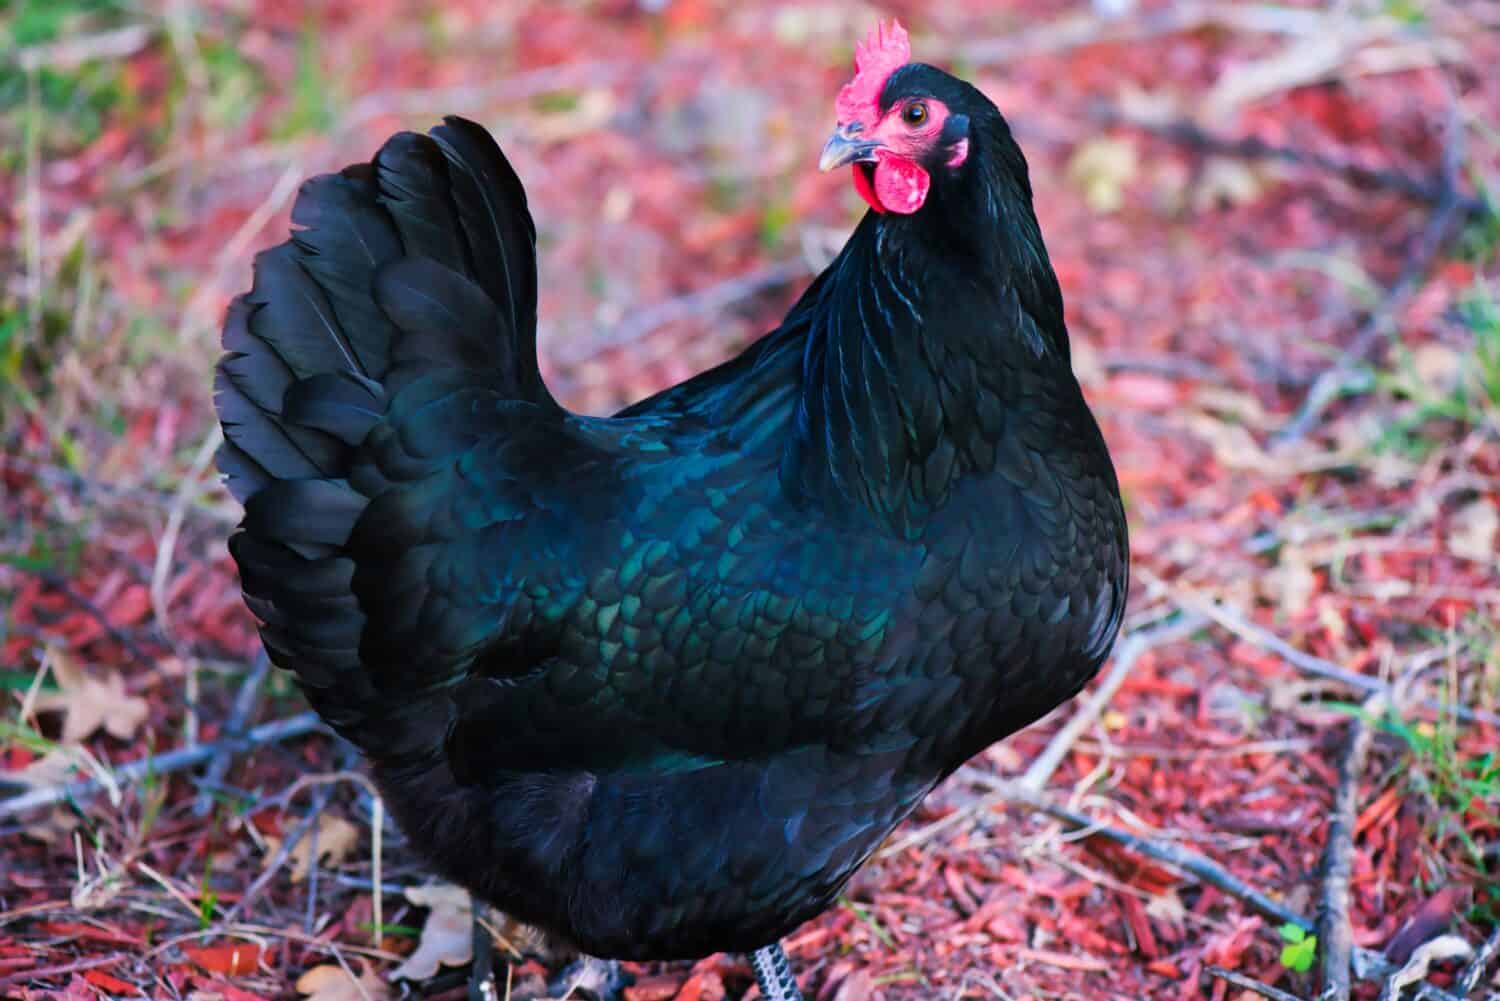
<point x="774" y="973"/>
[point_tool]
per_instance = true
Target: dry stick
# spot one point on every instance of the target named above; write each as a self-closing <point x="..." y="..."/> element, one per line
<point x="70" y="53"/>
<point x="1335" y="934"/>
<point x="1452" y="207"/>
<point x="166" y="547"/>
<point x="60" y="584"/>
<point x="377" y="826"/>
<point x="1173" y="627"/>
<point x="1084" y="30"/>
<point x="1309" y="664"/>
<point x="1333" y="380"/>
<point x="245" y="702"/>
<point x="1184" y="859"/>
<point x="1196" y="137"/>
<point x="320" y="802"/>
<point x="172" y="761"/>
<point x="1247" y="983"/>
<point x="1129" y="651"/>
<point x="236" y="246"/>
<point x="31" y="976"/>
<point x="1468" y="980"/>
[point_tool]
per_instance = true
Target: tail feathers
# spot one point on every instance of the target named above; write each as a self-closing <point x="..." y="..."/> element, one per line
<point x="491" y="205"/>
<point x="410" y="283"/>
<point x="423" y="259"/>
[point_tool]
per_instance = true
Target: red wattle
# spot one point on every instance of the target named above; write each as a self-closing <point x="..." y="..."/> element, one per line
<point x="862" y="185"/>
<point x="900" y="184"/>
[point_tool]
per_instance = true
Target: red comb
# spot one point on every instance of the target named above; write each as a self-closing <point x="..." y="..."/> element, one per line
<point x="884" y="50"/>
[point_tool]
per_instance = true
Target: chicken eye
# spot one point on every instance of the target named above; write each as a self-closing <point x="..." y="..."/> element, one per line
<point x="914" y="114"/>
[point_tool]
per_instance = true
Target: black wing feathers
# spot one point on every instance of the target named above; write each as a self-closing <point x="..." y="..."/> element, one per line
<point x="414" y="272"/>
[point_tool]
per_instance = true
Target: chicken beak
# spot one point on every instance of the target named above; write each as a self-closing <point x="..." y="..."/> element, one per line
<point x="845" y="146"/>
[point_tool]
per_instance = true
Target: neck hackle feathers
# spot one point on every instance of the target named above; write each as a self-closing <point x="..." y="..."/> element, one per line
<point x="886" y="49"/>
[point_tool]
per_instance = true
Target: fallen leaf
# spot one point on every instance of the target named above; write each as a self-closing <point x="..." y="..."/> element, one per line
<point x="1472" y="531"/>
<point x="857" y="986"/>
<point x="90" y="703"/>
<point x="1291" y="584"/>
<point x="234" y="959"/>
<point x="447" y="937"/>
<point x="1101" y="168"/>
<point x="336" y="839"/>
<point x="331" y="982"/>
<point x="705" y="985"/>
<point x="661" y="987"/>
<point x="53" y="828"/>
<point x="1226" y="182"/>
<point x="53" y="768"/>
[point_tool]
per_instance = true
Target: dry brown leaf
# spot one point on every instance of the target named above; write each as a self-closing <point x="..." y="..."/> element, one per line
<point x="331" y="982"/>
<point x="90" y="703"/>
<point x="1102" y="168"/>
<point x="336" y="839"/>
<point x="1473" y="530"/>
<point x="53" y="828"/>
<point x="1291" y="584"/>
<point x="51" y="769"/>
<point x="447" y="937"/>
<point x="1226" y="182"/>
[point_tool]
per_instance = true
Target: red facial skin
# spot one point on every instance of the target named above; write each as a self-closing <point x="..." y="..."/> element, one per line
<point x="901" y="183"/>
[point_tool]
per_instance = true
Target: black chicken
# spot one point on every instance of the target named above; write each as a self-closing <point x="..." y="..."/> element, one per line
<point x="660" y="683"/>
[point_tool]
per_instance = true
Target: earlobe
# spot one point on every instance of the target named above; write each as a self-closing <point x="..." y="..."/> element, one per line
<point x="956" y="137"/>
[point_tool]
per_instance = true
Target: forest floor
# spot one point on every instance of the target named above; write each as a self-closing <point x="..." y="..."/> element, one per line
<point x="1283" y="288"/>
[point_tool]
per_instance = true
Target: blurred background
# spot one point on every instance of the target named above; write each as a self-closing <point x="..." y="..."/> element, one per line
<point x="1273" y="227"/>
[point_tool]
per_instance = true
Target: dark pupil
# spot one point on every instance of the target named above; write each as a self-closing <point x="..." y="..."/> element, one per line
<point x="915" y="113"/>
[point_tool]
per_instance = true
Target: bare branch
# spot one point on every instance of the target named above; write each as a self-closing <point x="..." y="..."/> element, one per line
<point x="1335" y="934"/>
<point x="1250" y="984"/>
<point x="1469" y="980"/>
<point x="1128" y="652"/>
<point x="172" y="761"/>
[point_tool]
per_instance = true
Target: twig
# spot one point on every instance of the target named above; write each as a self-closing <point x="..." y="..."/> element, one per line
<point x="1335" y="935"/>
<point x="1249" y="984"/>
<point x="1137" y="643"/>
<point x="1452" y="207"/>
<point x="1367" y="962"/>
<point x="377" y="828"/>
<point x="1468" y="980"/>
<point x="172" y="761"/>
<point x="218" y="513"/>
<point x="166" y="548"/>
<point x="245" y="702"/>
<point x="46" y="972"/>
<point x="70" y="53"/>
<point x="1195" y="136"/>
<point x="1186" y="860"/>
<point x="1333" y="380"/>
<point x="236" y="246"/>
<point x="704" y="301"/>
<point x="283" y="852"/>
<point x="1444" y="948"/>
<point x="1310" y="664"/>
<point x="1083" y="30"/>
<point x="60" y="584"/>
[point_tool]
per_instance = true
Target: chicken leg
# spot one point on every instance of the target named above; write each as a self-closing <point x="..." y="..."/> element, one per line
<point x="774" y="973"/>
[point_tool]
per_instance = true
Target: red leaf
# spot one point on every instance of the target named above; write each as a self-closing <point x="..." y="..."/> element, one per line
<point x="234" y="959"/>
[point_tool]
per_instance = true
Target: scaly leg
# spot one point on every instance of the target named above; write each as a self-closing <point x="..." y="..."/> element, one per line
<point x="774" y="974"/>
<point x="482" y="975"/>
